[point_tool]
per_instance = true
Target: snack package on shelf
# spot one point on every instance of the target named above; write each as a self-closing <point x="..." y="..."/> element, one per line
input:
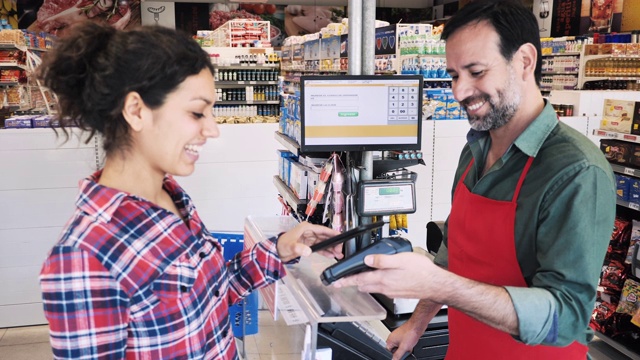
<point x="14" y="37"/>
<point x="630" y="298"/>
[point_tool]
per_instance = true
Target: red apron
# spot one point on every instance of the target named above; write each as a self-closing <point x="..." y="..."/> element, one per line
<point x="481" y="247"/>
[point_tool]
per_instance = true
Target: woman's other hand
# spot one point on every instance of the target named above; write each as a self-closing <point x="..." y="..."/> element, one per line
<point x="297" y="241"/>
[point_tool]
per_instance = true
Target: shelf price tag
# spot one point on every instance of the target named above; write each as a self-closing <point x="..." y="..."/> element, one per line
<point x="634" y="206"/>
<point x="611" y="135"/>
<point x="629" y="171"/>
<point x="630" y="137"/>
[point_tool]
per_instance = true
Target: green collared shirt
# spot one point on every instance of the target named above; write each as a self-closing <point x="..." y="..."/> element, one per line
<point x="563" y="223"/>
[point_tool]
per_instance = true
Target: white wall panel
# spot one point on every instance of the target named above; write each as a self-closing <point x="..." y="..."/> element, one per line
<point x="36" y="208"/>
<point x="26" y="246"/>
<point x="20" y="285"/>
<point x="41" y="139"/>
<point x="22" y="314"/>
<point x="578" y="123"/>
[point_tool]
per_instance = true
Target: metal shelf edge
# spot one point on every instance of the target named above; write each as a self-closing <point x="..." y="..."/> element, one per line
<point x="618" y="346"/>
<point x="287" y="142"/>
<point x="286" y="193"/>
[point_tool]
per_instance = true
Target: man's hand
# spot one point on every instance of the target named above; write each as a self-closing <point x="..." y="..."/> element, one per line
<point x="403" y="339"/>
<point x="297" y="241"/>
<point x="405" y="275"/>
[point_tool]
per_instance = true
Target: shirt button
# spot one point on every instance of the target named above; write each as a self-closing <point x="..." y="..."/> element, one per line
<point x="224" y="334"/>
<point x="276" y="273"/>
<point x="183" y="288"/>
<point x="217" y="293"/>
<point x="202" y="255"/>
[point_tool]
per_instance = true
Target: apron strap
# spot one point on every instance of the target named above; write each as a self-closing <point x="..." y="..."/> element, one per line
<point x="516" y="193"/>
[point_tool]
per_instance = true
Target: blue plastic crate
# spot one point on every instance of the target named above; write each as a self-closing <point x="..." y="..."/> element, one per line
<point x="231" y="245"/>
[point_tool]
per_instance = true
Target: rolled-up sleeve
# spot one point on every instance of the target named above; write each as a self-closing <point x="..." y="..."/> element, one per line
<point x="572" y="238"/>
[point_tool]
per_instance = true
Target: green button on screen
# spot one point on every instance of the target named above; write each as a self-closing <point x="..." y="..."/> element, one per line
<point x="348" y="113"/>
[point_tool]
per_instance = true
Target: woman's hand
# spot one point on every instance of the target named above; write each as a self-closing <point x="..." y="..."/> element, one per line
<point x="295" y="242"/>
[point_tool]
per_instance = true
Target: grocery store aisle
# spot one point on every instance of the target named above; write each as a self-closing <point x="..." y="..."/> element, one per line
<point x="274" y="341"/>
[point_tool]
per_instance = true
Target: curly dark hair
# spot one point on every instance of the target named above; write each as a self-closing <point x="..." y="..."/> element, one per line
<point x="94" y="67"/>
<point x="515" y="24"/>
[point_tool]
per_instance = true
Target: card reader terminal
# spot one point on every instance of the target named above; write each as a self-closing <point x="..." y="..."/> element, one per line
<point x="355" y="263"/>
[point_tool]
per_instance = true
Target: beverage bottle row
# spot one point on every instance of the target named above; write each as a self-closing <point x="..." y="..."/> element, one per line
<point x="613" y="66"/>
<point x="250" y="93"/>
<point x="633" y="85"/>
<point x="265" y="93"/>
<point x="246" y="110"/>
<point x="246" y="75"/>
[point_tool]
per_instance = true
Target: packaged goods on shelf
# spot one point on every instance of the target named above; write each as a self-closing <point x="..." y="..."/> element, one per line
<point x="623" y="184"/>
<point x="13" y="56"/>
<point x="30" y="121"/>
<point x="12" y="75"/>
<point x="240" y="33"/>
<point x="18" y="122"/>
<point x="617" y="115"/>
<point x="616" y="151"/>
<point x="561" y="45"/>
<point x="15" y="37"/>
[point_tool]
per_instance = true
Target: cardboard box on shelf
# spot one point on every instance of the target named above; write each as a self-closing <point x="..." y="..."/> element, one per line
<point x="617" y="115"/>
<point x="635" y="126"/>
<point x="617" y="151"/>
<point x="299" y="180"/>
<point x="623" y="184"/>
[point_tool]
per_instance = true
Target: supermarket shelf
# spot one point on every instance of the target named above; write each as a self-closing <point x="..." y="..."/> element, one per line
<point x="617" y="135"/>
<point x="288" y="143"/>
<point x="243" y="83"/>
<point x="560" y="73"/>
<point x="563" y="54"/>
<point x="246" y="66"/>
<point x="12" y="46"/>
<point x="9" y="83"/>
<point x="287" y="194"/>
<point x="566" y="87"/>
<point x="13" y="65"/>
<point x="629" y="205"/>
<point x="618" y="345"/>
<point x="596" y="78"/>
<point x="620" y="169"/>
<point x="247" y="102"/>
<point x="604" y="56"/>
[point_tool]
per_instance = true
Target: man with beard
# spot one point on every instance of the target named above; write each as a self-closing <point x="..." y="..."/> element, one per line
<point x="532" y="210"/>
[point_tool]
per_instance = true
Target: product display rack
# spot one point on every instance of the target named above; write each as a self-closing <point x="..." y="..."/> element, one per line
<point x="620" y="346"/>
<point x="15" y="85"/>
<point x="254" y="86"/>
<point x="583" y="77"/>
<point x="547" y="84"/>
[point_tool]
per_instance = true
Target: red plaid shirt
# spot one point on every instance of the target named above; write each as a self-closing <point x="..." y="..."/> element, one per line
<point x="128" y="279"/>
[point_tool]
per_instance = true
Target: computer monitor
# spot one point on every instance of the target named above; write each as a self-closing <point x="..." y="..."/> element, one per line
<point x="360" y="112"/>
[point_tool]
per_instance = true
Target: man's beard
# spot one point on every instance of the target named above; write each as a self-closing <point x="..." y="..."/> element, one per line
<point x="501" y="111"/>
